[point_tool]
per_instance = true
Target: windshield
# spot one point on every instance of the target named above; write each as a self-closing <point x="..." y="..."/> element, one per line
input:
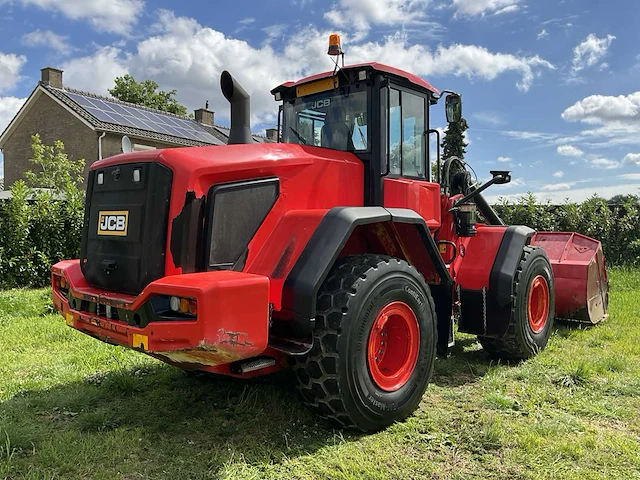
<point x="329" y="119"/>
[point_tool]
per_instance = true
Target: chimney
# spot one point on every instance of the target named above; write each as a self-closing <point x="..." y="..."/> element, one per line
<point x="272" y="134"/>
<point x="204" y="115"/>
<point x="52" y="77"/>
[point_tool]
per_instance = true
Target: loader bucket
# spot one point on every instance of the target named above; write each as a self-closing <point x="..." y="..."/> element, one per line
<point x="579" y="269"/>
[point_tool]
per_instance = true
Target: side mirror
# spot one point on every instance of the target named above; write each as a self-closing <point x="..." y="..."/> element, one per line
<point x="453" y="108"/>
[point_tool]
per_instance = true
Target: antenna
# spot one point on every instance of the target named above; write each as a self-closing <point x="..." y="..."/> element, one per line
<point x="206" y="105"/>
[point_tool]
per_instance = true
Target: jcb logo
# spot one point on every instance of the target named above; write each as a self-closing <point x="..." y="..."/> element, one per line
<point x="113" y="223"/>
<point x="321" y="103"/>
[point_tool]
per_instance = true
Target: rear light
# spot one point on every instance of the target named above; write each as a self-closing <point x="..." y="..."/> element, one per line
<point x="193" y="307"/>
<point x="174" y="308"/>
<point x="184" y="305"/>
<point x="174" y="304"/>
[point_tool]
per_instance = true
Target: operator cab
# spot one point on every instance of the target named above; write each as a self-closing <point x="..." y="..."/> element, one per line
<point x="377" y="112"/>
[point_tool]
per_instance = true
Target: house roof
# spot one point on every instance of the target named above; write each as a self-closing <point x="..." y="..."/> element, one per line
<point x="111" y="115"/>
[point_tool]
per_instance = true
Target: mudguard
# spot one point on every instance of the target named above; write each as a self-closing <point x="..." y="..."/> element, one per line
<point x="328" y="241"/>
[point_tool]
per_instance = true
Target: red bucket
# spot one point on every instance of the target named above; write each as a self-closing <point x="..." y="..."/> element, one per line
<point x="580" y="272"/>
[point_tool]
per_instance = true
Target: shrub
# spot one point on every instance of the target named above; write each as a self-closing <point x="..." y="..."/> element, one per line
<point x="616" y="226"/>
<point x="42" y="221"/>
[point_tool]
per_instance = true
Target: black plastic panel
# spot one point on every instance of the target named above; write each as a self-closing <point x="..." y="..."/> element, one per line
<point x="235" y="211"/>
<point x="504" y="267"/>
<point x="127" y="263"/>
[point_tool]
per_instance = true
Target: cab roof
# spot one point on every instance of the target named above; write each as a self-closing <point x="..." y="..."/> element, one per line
<point x="380" y="67"/>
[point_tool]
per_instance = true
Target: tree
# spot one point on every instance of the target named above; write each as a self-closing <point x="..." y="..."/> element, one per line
<point x="453" y="143"/>
<point x="623" y="199"/>
<point x="146" y="93"/>
<point x="55" y="170"/>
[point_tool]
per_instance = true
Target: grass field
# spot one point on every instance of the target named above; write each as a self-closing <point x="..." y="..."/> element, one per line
<point x="73" y="407"/>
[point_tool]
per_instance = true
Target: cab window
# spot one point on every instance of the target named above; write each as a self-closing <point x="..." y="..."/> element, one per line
<point x="335" y="119"/>
<point x="407" y="145"/>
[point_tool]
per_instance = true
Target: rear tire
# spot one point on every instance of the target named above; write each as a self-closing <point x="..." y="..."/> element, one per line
<point x="532" y="311"/>
<point x="374" y="343"/>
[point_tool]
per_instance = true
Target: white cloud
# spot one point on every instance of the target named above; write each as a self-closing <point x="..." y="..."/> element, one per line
<point x="600" y="162"/>
<point x="114" y="16"/>
<point x="559" y="174"/>
<point x="561" y="193"/>
<point x="557" y="186"/>
<point x="96" y="72"/>
<point x="504" y="159"/>
<point x="475" y="8"/>
<point x="591" y="51"/>
<point x="631" y="159"/>
<point x="470" y="61"/>
<point x="599" y="109"/>
<point x="189" y="57"/>
<point x="617" y="119"/>
<point x="630" y="176"/>
<point x="491" y="118"/>
<point x="362" y="14"/>
<point x="47" y="38"/>
<point x="10" y="66"/>
<point x="247" y="21"/>
<point x="569" y="151"/>
<point x="9" y="106"/>
<point x="543" y="33"/>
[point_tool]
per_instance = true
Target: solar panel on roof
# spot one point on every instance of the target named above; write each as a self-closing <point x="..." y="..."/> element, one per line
<point x="129" y="116"/>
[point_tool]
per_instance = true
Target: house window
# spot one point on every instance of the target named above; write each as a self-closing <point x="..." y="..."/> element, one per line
<point x="407" y="134"/>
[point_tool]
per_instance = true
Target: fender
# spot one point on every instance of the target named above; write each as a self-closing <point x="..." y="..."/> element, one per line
<point x="487" y="311"/>
<point x="504" y="267"/>
<point x="327" y="242"/>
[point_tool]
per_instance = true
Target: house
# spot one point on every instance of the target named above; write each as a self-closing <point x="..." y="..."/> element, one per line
<point x="94" y="127"/>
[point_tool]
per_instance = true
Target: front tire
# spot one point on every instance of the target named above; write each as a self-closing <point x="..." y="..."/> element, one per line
<point x="374" y="344"/>
<point x="532" y="311"/>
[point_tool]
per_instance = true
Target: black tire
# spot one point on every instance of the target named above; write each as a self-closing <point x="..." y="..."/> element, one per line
<point x="334" y="378"/>
<point x="521" y="341"/>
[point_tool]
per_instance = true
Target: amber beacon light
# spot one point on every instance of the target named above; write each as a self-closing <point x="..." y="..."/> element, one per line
<point x="335" y="48"/>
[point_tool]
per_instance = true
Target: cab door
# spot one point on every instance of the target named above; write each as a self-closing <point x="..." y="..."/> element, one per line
<point x="407" y="182"/>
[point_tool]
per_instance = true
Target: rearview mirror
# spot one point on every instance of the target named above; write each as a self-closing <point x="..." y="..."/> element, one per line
<point x="453" y="108"/>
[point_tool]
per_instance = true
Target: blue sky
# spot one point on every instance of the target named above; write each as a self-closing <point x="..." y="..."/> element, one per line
<point x="550" y="87"/>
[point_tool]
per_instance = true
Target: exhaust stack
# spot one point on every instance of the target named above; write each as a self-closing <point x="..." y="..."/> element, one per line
<point x="240" y="109"/>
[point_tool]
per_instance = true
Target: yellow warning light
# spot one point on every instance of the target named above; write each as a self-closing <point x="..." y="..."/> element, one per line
<point x="335" y="48"/>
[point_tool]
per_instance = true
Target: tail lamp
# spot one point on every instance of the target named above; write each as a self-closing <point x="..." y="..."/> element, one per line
<point x="466" y="219"/>
<point x="61" y="283"/>
<point x="183" y="305"/>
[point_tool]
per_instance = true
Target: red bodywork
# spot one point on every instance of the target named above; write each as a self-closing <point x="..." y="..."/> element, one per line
<point x="579" y="268"/>
<point x="312" y="180"/>
<point x="235" y="310"/>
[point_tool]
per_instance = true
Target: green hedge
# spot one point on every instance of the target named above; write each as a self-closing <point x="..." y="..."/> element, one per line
<point x="616" y="226"/>
<point x="37" y="230"/>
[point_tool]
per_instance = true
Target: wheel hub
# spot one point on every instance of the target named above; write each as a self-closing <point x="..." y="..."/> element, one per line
<point x="393" y="346"/>
<point x="538" y="304"/>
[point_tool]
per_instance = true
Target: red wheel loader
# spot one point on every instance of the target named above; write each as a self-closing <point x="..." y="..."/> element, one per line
<point x="334" y="252"/>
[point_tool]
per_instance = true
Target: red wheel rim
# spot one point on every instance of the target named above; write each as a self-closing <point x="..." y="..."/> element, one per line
<point x="393" y="346"/>
<point x="538" y="305"/>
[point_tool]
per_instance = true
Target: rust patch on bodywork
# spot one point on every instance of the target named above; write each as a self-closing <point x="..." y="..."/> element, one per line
<point x="204" y="355"/>
<point x="235" y="339"/>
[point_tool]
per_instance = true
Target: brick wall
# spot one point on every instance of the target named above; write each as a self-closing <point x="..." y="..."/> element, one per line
<point x="52" y="122"/>
<point x="112" y="144"/>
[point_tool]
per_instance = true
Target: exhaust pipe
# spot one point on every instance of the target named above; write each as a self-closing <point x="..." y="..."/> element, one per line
<point x="240" y="109"/>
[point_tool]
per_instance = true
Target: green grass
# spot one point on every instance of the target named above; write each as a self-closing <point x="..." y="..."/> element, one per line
<point x="73" y="407"/>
